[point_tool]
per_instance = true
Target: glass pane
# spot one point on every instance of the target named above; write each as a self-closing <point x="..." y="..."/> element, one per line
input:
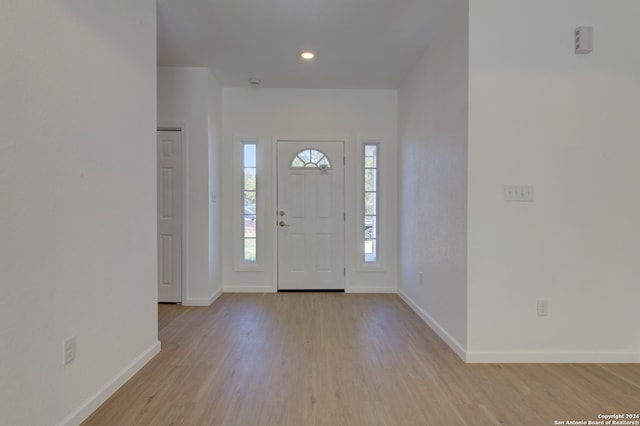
<point x="250" y="179"/>
<point x="249" y="215"/>
<point x="305" y="156"/>
<point x="370" y="150"/>
<point x="249" y="155"/>
<point x="297" y="162"/>
<point x="370" y="179"/>
<point x="370" y="250"/>
<point x="370" y="203"/>
<point x="250" y="225"/>
<point x="370" y="228"/>
<point x="249" y="202"/>
<point x="324" y="163"/>
<point x="369" y="163"/>
<point x="368" y="246"/>
<point x="370" y="156"/>
<point x="316" y="156"/>
<point x="250" y="249"/>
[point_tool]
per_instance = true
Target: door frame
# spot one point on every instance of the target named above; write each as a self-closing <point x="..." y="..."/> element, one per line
<point x="182" y="128"/>
<point x="274" y="196"/>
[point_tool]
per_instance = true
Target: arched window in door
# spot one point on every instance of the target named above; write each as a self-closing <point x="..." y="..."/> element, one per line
<point x="310" y="158"/>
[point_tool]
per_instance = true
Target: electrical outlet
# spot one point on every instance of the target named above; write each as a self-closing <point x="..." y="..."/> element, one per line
<point x="69" y="350"/>
<point x="542" y="308"/>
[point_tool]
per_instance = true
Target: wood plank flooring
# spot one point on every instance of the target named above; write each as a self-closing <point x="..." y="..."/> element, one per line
<point x="344" y="359"/>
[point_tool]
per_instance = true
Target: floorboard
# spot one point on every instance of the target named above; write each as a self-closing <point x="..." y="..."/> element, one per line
<point x="344" y="359"/>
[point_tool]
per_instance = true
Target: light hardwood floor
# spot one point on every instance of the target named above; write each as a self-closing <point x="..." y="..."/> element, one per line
<point x="344" y="359"/>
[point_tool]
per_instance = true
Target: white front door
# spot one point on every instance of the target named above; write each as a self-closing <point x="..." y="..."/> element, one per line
<point x="310" y="215"/>
<point x="170" y="184"/>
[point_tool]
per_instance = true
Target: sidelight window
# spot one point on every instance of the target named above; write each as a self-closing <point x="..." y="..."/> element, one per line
<point x="370" y="217"/>
<point x="250" y="206"/>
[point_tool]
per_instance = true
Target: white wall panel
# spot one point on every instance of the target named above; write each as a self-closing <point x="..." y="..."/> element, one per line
<point x="190" y="96"/>
<point x="78" y="244"/>
<point x="298" y="113"/>
<point x="433" y="182"/>
<point x="568" y="125"/>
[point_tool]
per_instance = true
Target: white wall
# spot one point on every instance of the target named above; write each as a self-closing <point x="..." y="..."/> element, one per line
<point x="432" y="125"/>
<point x="569" y="125"/>
<point x="215" y="160"/>
<point x="265" y="114"/>
<point x="191" y="96"/>
<point x="77" y="203"/>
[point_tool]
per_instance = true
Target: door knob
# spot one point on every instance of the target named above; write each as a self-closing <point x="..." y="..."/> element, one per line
<point x="282" y="223"/>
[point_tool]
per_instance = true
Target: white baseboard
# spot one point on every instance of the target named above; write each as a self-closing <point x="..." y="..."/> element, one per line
<point x="256" y="289"/>
<point x="435" y="326"/>
<point x="249" y="289"/>
<point x="269" y="289"/>
<point x="385" y="290"/>
<point x="202" y="301"/>
<point x="92" y="404"/>
<point x="554" y="357"/>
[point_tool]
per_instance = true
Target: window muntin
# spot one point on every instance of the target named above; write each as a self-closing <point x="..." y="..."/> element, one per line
<point x="249" y="200"/>
<point x="370" y="189"/>
<point x="310" y="158"/>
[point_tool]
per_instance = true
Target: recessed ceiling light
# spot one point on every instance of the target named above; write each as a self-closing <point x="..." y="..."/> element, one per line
<point x="307" y="55"/>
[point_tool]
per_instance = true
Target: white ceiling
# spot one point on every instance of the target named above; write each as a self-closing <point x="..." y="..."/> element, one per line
<point x="359" y="44"/>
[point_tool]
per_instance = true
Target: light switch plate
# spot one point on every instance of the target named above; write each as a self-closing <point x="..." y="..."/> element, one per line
<point x="518" y="193"/>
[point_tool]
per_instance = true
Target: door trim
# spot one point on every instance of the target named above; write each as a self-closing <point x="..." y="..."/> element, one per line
<point x="182" y="128"/>
<point x="274" y="197"/>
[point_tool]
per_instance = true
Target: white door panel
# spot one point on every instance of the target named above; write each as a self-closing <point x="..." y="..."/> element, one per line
<point x="310" y="219"/>
<point x="170" y="183"/>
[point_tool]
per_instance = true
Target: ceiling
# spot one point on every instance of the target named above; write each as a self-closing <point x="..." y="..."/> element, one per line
<point x="359" y="44"/>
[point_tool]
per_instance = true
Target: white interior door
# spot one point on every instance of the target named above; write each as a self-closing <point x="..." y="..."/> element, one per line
<point x="170" y="184"/>
<point x="311" y="215"/>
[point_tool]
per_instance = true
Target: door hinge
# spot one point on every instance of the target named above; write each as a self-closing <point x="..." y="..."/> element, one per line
<point x="345" y="271"/>
<point x="344" y="161"/>
<point x="344" y="216"/>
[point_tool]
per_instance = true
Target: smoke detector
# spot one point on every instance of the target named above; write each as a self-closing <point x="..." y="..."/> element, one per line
<point x="255" y="82"/>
